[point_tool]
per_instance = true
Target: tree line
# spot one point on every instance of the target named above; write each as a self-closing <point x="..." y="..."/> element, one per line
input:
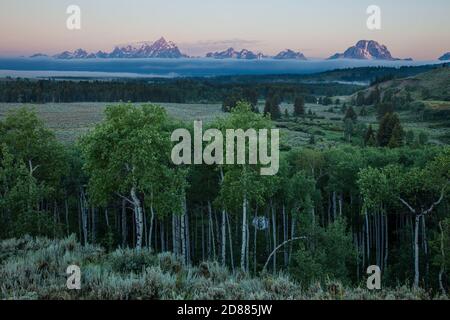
<point x="328" y="214"/>
<point x="183" y="90"/>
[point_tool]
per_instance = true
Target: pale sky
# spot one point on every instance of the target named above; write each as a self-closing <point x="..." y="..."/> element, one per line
<point x="319" y="28"/>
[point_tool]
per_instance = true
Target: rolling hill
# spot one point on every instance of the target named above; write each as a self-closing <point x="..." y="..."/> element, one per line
<point x="433" y="85"/>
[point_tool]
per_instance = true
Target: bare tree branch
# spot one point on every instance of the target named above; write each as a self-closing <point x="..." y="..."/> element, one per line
<point x="407" y="205"/>
<point x="125" y="198"/>
<point x="437" y="202"/>
<point x="281" y="245"/>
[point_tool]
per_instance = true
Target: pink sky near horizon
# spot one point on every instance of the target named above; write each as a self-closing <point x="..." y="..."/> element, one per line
<point x="410" y="28"/>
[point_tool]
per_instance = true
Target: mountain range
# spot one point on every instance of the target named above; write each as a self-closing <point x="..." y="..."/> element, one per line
<point x="363" y="50"/>
<point x="230" y="53"/>
<point x="158" y="49"/>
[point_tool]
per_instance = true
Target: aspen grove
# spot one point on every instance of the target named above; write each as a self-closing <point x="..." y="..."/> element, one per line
<point x="329" y="213"/>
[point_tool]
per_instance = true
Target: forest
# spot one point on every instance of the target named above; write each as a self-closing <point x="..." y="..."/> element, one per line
<point x="184" y="90"/>
<point x="120" y="206"/>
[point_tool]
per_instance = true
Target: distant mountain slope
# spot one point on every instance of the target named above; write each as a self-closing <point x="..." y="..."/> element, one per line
<point x="433" y="85"/>
<point x="289" y="54"/>
<point x="445" y="57"/>
<point x="366" y="50"/>
<point x="230" y="53"/>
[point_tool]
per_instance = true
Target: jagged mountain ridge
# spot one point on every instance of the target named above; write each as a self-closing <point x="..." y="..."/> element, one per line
<point x="289" y="54"/>
<point x="363" y="50"/>
<point x="158" y="49"/>
<point x="366" y="50"/>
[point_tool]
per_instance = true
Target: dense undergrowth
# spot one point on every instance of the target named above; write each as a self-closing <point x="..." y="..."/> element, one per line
<point x="34" y="268"/>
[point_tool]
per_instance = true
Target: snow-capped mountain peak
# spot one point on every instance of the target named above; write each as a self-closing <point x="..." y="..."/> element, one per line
<point x="366" y="50"/>
<point x="230" y="53"/>
<point x="289" y="54"/>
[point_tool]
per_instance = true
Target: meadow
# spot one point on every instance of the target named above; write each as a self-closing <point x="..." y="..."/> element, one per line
<point x="71" y="120"/>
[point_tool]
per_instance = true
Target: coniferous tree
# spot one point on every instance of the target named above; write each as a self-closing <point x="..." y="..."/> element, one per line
<point x="299" y="107"/>
<point x="272" y="107"/>
<point x="397" y="136"/>
<point x="363" y="112"/>
<point x="383" y="109"/>
<point x="369" y="137"/>
<point x="350" y="114"/>
<point x="360" y="99"/>
<point x="409" y="137"/>
<point x="390" y="132"/>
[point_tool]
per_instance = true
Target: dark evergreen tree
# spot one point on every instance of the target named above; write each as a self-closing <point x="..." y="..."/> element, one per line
<point x="351" y="114"/>
<point x="369" y="137"/>
<point x="299" y="107"/>
<point x="383" y="109"/>
<point x="390" y="132"/>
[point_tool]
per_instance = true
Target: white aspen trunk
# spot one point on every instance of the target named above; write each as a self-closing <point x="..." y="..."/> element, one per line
<point x="94" y="225"/>
<point x="173" y="235"/>
<point x="177" y="235"/>
<point x="255" y="242"/>
<point x="355" y="236"/>
<point x="274" y="235"/>
<point x="416" y="252"/>
<point x="247" y="255"/>
<point x="313" y="219"/>
<point x="80" y="232"/>
<point x="224" y="238"/>
<point x="188" y="241"/>
<point x="340" y="204"/>
<point x="363" y="248"/>
<point x="386" y="240"/>
<point x="84" y="215"/>
<point x="231" y="242"/>
<point x="425" y="248"/>
<point x="145" y="229"/>
<point x="162" y="234"/>
<point x="67" y="215"/>
<point x="183" y="237"/>
<point x="367" y="236"/>
<point x="285" y="236"/>
<point x="244" y="233"/>
<point x="223" y="227"/>
<point x="211" y="230"/>
<point x="442" y="271"/>
<point x="329" y="209"/>
<point x="203" y="238"/>
<point x="152" y="220"/>
<point x="107" y="218"/>
<point x="124" y="223"/>
<point x="334" y="205"/>
<point x="292" y="236"/>
<point x="138" y="217"/>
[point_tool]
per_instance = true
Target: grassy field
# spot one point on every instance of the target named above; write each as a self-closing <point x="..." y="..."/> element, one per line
<point x="70" y="120"/>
